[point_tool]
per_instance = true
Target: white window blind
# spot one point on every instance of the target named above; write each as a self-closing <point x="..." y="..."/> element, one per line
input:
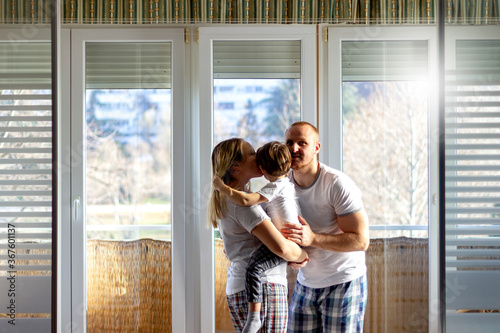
<point x="128" y="65"/>
<point x="25" y="185"/>
<point x="278" y="59"/>
<point x="384" y="60"/>
<point x="472" y="142"/>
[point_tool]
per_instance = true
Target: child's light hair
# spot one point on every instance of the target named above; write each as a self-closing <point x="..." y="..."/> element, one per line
<point x="224" y="155"/>
<point x="275" y="158"/>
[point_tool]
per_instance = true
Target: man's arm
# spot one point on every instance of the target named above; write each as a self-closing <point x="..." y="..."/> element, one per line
<point x="354" y="238"/>
<point x="238" y="197"/>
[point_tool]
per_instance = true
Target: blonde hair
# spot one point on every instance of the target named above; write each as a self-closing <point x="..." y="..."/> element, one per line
<point x="224" y="155"/>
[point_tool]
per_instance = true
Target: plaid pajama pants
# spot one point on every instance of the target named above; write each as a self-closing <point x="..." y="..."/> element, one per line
<point x="273" y="313"/>
<point x="338" y="308"/>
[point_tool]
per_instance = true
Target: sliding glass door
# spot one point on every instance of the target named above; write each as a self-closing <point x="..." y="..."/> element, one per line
<point x="380" y="132"/>
<point x="125" y="224"/>
<point x="255" y="83"/>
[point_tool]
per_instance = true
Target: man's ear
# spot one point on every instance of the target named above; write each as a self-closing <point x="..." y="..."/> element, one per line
<point x="317" y="147"/>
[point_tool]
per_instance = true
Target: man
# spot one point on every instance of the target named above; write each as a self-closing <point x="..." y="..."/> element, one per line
<point x="331" y="290"/>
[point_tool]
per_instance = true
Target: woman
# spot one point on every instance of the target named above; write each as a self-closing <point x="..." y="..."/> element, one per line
<point x="243" y="230"/>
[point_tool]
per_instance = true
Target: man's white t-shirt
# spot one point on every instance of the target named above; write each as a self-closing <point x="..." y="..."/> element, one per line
<point x="331" y="194"/>
<point x="282" y="203"/>
<point x="239" y="243"/>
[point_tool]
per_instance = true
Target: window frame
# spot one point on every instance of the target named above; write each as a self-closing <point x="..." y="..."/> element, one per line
<point x="331" y="123"/>
<point x="78" y="234"/>
<point x="204" y="115"/>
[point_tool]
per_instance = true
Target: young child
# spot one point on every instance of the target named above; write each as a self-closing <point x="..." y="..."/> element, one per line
<point x="280" y="203"/>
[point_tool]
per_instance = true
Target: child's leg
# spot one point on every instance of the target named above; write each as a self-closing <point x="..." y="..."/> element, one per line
<point x="254" y="306"/>
<point x="262" y="260"/>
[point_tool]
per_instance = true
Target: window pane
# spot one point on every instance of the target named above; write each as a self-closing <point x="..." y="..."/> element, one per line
<point x="128" y="186"/>
<point x="259" y="111"/>
<point x="385" y="150"/>
<point x="128" y="163"/>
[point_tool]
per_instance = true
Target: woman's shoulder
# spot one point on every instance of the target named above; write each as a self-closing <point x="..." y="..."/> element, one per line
<point x="250" y="211"/>
<point x="247" y="217"/>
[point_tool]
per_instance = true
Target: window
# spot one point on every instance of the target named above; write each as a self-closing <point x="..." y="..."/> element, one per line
<point x="128" y="163"/>
<point x="384" y="97"/>
<point x="259" y="118"/>
<point x="128" y="174"/>
<point x="126" y="107"/>
<point x="274" y="85"/>
<point x="382" y="125"/>
<point x="386" y="100"/>
<point x="26" y="196"/>
<point x="472" y="179"/>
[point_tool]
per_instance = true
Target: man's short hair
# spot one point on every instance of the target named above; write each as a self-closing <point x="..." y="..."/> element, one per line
<point x="305" y="123"/>
<point x="275" y="158"/>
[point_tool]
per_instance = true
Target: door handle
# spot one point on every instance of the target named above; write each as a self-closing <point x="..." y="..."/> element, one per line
<point x="76" y="206"/>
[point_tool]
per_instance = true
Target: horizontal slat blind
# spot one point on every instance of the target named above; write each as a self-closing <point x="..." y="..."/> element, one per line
<point x="25" y="65"/>
<point x="25" y="181"/>
<point x="128" y="66"/>
<point x="257" y="59"/>
<point x="384" y="60"/>
<point x="472" y="143"/>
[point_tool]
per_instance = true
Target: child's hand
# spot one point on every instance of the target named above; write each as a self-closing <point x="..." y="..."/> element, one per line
<point x="218" y="183"/>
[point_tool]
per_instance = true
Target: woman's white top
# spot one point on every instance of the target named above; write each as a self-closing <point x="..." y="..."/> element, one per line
<point x="239" y="243"/>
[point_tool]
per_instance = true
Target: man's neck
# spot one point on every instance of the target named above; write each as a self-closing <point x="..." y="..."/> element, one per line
<point x="305" y="177"/>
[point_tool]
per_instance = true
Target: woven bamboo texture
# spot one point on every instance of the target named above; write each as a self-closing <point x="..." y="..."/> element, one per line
<point x="250" y="11"/>
<point x="128" y="286"/>
<point x="397" y="285"/>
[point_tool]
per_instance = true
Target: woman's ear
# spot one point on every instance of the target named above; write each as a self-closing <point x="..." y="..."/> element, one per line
<point x="235" y="168"/>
